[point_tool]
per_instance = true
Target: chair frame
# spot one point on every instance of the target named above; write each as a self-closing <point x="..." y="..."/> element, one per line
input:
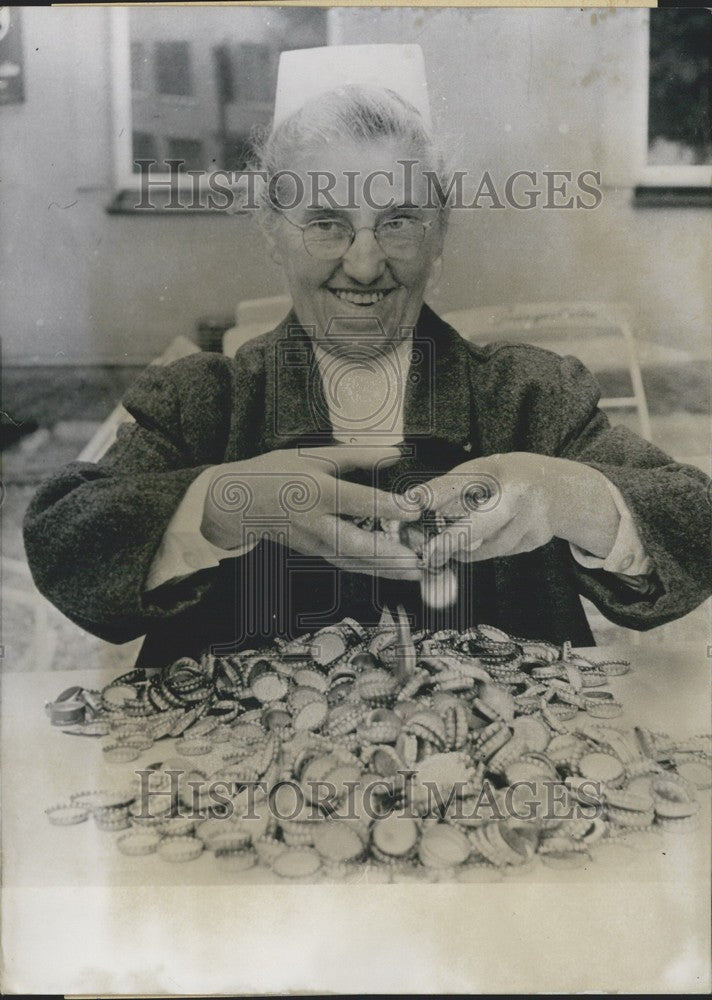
<point x="557" y="322"/>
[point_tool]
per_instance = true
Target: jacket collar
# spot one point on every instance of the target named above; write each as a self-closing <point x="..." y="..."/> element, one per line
<point x="438" y="397"/>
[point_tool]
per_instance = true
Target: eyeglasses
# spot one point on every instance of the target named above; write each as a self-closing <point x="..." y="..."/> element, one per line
<point x="399" y="238"/>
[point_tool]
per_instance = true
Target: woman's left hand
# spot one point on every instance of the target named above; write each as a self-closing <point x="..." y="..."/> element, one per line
<point x="501" y="505"/>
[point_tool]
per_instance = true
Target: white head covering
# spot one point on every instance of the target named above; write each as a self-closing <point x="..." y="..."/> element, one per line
<point x="306" y="73"/>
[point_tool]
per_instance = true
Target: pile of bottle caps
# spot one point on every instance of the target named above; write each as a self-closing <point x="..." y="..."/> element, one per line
<point x="430" y="751"/>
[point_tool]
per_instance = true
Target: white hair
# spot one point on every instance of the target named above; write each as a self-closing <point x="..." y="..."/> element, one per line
<point x="354" y="112"/>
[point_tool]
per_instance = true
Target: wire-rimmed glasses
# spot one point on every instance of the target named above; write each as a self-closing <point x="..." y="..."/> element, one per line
<point x="400" y="237"/>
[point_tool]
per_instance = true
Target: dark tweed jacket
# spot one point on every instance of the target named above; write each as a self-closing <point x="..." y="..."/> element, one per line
<point x="92" y="531"/>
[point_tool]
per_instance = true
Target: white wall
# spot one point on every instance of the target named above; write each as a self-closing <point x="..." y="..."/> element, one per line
<point x="515" y="89"/>
<point x="76" y="284"/>
<point x="537" y="89"/>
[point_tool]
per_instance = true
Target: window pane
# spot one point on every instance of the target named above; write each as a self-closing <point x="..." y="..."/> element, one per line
<point x="253" y="79"/>
<point x="190" y="151"/>
<point x="679" y="125"/>
<point x="173" y="71"/>
<point x="225" y="61"/>
<point x="144" y="148"/>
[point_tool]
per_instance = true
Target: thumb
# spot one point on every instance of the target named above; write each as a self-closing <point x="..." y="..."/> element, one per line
<point x="362" y="501"/>
<point x="437" y="493"/>
<point x="464" y="490"/>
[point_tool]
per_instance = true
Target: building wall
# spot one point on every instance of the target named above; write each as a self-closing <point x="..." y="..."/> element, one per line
<point x="565" y="89"/>
<point x="521" y="90"/>
<point x="78" y="285"/>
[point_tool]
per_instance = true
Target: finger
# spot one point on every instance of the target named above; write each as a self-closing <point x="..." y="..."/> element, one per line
<point x="505" y="542"/>
<point x="465" y="490"/>
<point x="436" y="494"/>
<point x="464" y="534"/>
<point x="509" y="542"/>
<point x="461" y="532"/>
<point x="373" y="544"/>
<point x="352" y="548"/>
<point x="375" y="552"/>
<point x="460" y="537"/>
<point x="466" y="553"/>
<point x="311" y="536"/>
<point x="341" y="458"/>
<point x="364" y="501"/>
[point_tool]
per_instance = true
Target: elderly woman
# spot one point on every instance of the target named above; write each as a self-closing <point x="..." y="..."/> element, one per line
<point x="241" y="504"/>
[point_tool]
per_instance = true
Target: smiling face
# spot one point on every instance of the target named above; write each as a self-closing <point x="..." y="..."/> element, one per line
<point x="365" y="297"/>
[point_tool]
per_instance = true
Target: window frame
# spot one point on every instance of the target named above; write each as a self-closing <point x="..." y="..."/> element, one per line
<point x="125" y="180"/>
<point x="669" y="176"/>
<point x="121" y="92"/>
<point x="157" y="69"/>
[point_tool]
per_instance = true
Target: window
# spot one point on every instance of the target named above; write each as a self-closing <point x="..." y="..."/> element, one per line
<point x="190" y="151"/>
<point x="245" y="73"/>
<point x="144" y="148"/>
<point x="253" y="76"/>
<point x="680" y="87"/>
<point x="675" y="165"/>
<point x="173" y="69"/>
<point x="196" y="87"/>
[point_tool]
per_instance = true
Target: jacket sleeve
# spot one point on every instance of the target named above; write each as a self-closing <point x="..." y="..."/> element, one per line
<point x="670" y="504"/>
<point x="92" y="530"/>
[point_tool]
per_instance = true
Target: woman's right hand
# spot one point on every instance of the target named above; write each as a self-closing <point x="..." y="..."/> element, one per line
<point x="296" y="498"/>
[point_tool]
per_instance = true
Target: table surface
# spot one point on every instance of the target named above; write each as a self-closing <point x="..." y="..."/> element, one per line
<point x="667" y="689"/>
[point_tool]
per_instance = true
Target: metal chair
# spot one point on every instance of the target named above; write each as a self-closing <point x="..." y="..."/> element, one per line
<point x="598" y="334"/>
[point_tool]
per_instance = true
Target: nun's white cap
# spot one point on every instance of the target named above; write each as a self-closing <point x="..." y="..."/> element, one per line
<point x="307" y="73"/>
